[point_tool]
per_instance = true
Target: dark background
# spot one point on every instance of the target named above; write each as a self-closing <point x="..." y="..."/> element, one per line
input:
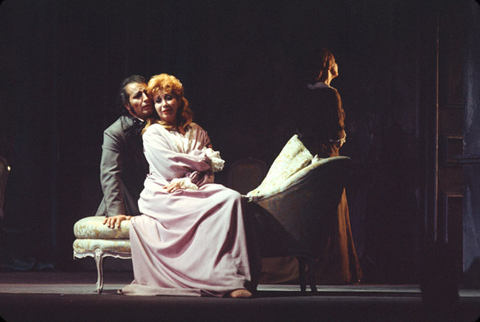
<point x="240" y="62"/>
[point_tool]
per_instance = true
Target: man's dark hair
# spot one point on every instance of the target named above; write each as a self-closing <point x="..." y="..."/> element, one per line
<point x="123" y="96"/>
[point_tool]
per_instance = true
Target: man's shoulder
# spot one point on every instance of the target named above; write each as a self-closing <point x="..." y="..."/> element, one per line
<point x="122" y="124"/>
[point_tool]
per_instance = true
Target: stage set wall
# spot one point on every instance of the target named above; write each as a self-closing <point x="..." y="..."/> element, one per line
<point x="240" y="62"/>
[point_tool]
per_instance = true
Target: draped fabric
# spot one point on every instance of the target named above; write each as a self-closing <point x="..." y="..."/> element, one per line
<point x="191" y="241"/>
<point x="341" y="265"/>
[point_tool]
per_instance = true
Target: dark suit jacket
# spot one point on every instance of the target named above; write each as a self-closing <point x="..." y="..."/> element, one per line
<point x="321" y="120"/>
<point x="123" y="168"/>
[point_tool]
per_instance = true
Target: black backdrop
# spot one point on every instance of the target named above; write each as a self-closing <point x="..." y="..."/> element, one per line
<point x="62" y="62"/>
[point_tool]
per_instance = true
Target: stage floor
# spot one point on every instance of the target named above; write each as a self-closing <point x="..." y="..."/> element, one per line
<point x="71" y="296"/>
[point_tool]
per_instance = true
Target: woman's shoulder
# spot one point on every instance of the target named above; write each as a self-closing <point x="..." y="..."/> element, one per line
<point x="195" y="127"/>
<point x="154" y="128"/>
<point x="197" y="132"/>
<point x="327" y="92"/>
<point x="327" y="89"/>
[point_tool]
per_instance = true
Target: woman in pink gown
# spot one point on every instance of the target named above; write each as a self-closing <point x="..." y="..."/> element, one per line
<point x="190" y="238"/>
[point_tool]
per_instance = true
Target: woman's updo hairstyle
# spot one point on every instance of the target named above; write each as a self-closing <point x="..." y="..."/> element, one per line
<point x="319" y="65"/>
<point x="170" y="85"/>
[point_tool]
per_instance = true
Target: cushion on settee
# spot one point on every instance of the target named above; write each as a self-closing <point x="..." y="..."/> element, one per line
<point x="106" y="245"/>
<point x="287" y="168"/>
<point x="93" y="228"/>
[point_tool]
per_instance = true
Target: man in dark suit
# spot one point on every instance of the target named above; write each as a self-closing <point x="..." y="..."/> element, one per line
<point x="123" y="166"/>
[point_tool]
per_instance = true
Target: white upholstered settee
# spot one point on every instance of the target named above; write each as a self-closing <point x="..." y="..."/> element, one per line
<point x="294" y="208"/>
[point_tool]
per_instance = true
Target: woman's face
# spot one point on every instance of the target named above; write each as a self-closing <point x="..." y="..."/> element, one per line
<point x="166" y="105"/>
<point x="334" y="69"/>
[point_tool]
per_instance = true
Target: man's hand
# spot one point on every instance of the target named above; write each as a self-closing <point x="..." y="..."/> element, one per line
<point x="115" y="221"/>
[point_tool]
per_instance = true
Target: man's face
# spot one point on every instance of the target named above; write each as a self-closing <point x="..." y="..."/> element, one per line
<point x="139" y="104"/>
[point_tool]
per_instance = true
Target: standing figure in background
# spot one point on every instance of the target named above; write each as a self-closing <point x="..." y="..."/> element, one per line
<point x="123" y="167"/>
<point x="321" y="128"/>
<point x="190" y="238"/>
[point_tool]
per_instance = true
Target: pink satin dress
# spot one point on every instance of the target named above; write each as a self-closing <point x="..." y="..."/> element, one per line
<point x="190" y="242"/>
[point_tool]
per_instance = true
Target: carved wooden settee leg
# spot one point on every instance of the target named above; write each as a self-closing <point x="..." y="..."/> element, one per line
<point x="99" y="263"/>
<point x="310" y="263"/>
<point x="301" y="273"/>
<point x="311" y="274"/>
